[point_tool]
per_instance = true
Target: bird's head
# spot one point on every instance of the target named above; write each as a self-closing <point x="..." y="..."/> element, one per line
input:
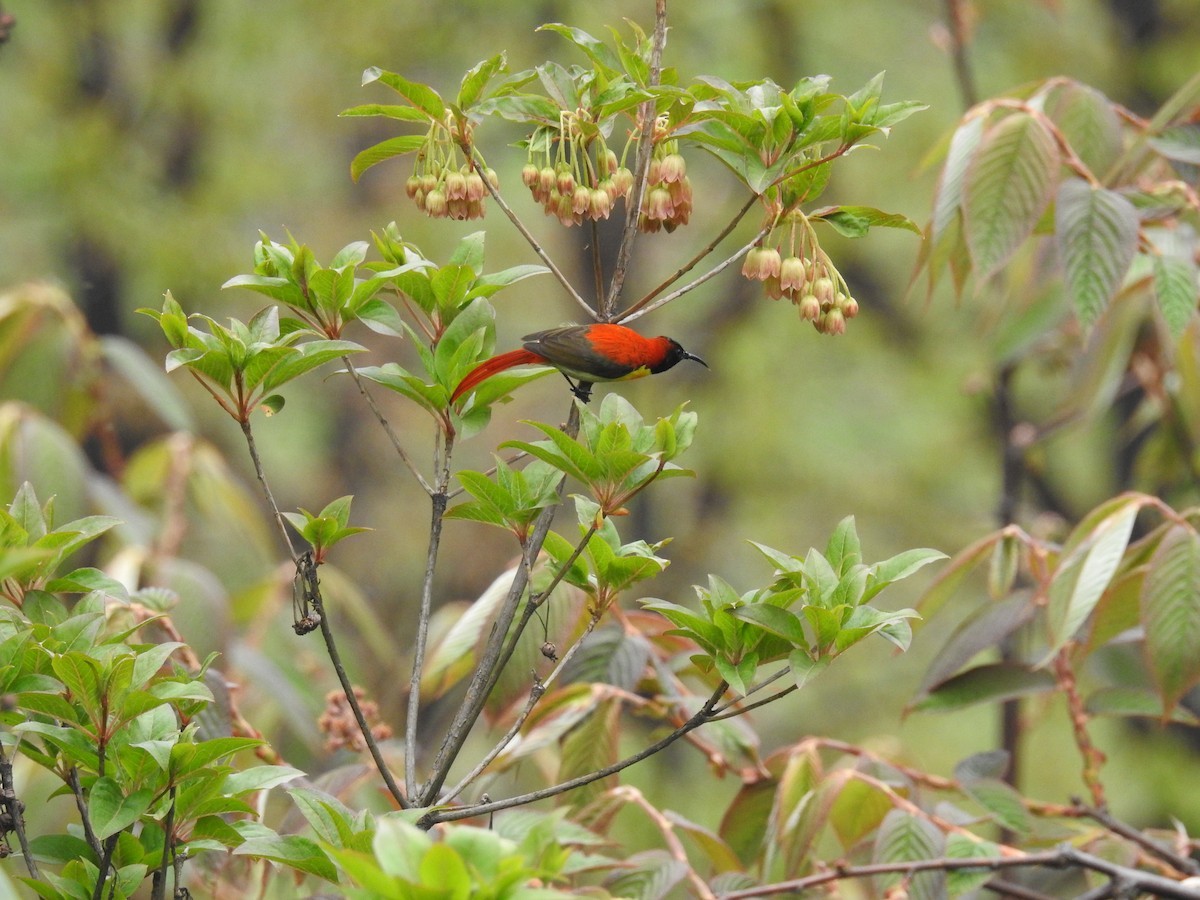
<point x="674" y="354"/>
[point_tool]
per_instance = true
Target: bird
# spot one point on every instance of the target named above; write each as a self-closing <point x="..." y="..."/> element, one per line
<point x="587" y="353"/>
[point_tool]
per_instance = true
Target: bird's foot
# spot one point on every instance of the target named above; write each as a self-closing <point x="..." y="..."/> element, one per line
<point x="578" y="389"/>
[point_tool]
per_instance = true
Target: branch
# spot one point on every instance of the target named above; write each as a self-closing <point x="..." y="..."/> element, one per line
<point x="532" y="241"/>
<point x="1064" y="857"/>
<point x="630" y="315"/>
<point x="1102" y="817"/>
<point x="305" y="571"/>
<point x="1093" y="759"/>
<point x="956" y="18"/>
<point x="466" y="812"/>
<point x="81" y="804"/>
<point x="641" y="165"/>
<point x="15" y="810"/>
<point x="437" y="518"/>
<point x="487" y="670"/>
<point x="391" y="433"/>
<point x="694" y="261"/>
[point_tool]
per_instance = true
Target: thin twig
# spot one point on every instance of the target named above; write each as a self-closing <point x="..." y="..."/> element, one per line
<point x="81" y="804"/>
<point x="387" y="427"/>
<point x="667" y="829"/>
<point x="641" y="166"/>
<point x="956" y="20"/>
<point x="695" y="283"/>
<point x="326" y="632"/>
<point x="16" y="809"/>
<point x="1103" y="817"/>
<point x="159" y="890"/>
<point x="1064" y="857"/>
<point x="110" y="846"/>
<point x="533" y="243"/>
<point x="693" y="262"/>
<point x="363" y="726"/>
<point x="421" y="640"/>
<point x="248" y="432"/>
<point x="1093" y="759"/>
<point x="466" y="812"/>
<point x="536" y="692"/>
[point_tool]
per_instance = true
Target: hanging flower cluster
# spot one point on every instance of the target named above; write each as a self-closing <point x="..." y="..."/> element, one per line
<point x="443" y="188"/>
<point x="793" y="265"/>
<point x="667" y="201"/>
<point x="568" y="181"/>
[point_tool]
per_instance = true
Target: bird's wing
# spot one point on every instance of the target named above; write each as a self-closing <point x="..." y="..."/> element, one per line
<point x="574" y="350"/>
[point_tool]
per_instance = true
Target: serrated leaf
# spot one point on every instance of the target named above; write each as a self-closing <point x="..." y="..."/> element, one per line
<point x="1175" y="289"/>
<point x="857" y="811"/>
<point x="1084" y="576"/>
<point x="1171" y="614"/>
<point x="1008" y="186"/>
<point x="419" y="95"/>
<point x="907" y="838"/>
<point x="1096" y="230"/>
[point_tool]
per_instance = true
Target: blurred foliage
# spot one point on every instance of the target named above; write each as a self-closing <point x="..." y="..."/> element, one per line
<point x="148" y="145"/>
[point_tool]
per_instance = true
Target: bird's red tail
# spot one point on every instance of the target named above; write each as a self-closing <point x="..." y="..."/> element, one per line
<point x="490" y="367"/>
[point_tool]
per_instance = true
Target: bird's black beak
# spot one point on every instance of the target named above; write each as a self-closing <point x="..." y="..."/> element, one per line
<point x="694" y="358"/>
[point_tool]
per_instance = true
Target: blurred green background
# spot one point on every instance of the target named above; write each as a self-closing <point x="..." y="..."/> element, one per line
<point x="144" y="145"/>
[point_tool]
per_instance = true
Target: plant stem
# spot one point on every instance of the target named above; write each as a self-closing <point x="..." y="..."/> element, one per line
<point x="699" y="718"/>
<point x="1093" y="759"/>
<point x="956" y="20"/>
<point x="159" y="890"/>
<point x="262" y="480"/>
<point x="387" y="427"/>
<point x="326" y="632"/>
<point x="8" y="797"/>
<point x="348" y="689"/>
<point x="1064" y="857"/>
<point x="81" y="804"/>
<point x="641" y="166"/>
<point x="487" y="670"/>
<point x="437" y="518"/>
<point x="110" y="845"/>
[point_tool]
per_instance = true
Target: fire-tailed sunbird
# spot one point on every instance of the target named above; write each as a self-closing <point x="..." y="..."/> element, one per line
<point x="587" y="353"/>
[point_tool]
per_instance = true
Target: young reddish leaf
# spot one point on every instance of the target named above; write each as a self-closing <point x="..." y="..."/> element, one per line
<point x="1008" y="186"/>
<point x="984" y="629"/>
<point x="1097" y="231"/>
<point x="1171" y="614"/>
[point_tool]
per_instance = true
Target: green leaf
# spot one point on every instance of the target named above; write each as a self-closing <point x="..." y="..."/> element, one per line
<point x="1008" y="186"/>
<point x="291" y="850"/>
<point x="384" y="150"/>
<point x="985" y="684"/>
<point x="960" y="882"/>
<point x="477" y="78"/>
<point x="110" y="811"/>
<point x="404" y="113"/>
<point x="906" y="838"/>
<point x="1097" y="232"/>
<point x="1175" y="289"/>
<point x="1171" y="614"/>
<point x="1084" y="576"/>
<point x="419" y="95"/>
<point x="856" y="221"/>
<point x="781" y="622"/>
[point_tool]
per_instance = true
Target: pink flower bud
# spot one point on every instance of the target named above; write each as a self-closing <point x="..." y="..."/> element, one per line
<point x="791" y="273"/>
<point x="810" y="308"/>
<point x="623" y="181"/>
<point x="835" y="322"/>
<point x="672" y="168"/>
<point x="850" y="308"/>
<point x="566" y="182"/>
<point x="548" y="179"/>
<point x="601" y="205"/>
<point x="658" y="204"/>
<point x="530" y="175"/>
<point x="475" y="188"/>
<point x="456" y="186"/>
<point x="435" y="203"/>
<point x="823" y="289"/>
<point x="412" y="185"/>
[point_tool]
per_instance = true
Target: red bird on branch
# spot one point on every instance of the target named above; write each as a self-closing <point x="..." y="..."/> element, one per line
<point x="587" y="353"/>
